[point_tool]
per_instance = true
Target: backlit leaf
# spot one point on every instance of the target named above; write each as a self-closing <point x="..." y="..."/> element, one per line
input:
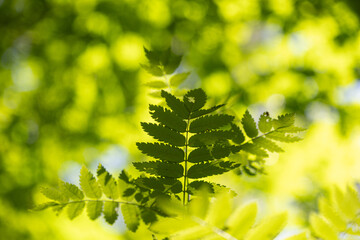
<point x="107" y="183"/>
<point x="74" y="209"/>
<point x="89" y="184"/>
<point x="94" y="209"/>
<point x="131" y="216"/>
<point x="249" y="125"/>
<point x="160" y="168"/>
<point x="178" y="79"/>
<point x="162" y="151"/>
<point x="167" y="118"/>
<point x="265" y="122"/>
<point x="195" y="99"/>
<point x="110" y="211"/>
<point x="72" y="191"/>
<point x="210" y="122"/>
<point x="175" y="104"/>
<point x="164" y="134"/>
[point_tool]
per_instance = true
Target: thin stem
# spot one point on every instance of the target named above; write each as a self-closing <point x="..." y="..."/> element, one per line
<point x="186" y="198"/>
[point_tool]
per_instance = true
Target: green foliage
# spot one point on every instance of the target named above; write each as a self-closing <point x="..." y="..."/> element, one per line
<point x="338" y="216"/>
<point x="192" y="142"/>
<point x="219" y="220"/>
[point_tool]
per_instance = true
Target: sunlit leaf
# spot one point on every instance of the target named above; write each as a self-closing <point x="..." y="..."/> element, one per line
<point x="89" y="184"/>
<point x="74" y="209"/>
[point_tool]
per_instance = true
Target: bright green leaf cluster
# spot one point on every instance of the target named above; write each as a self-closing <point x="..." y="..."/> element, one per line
<point x="339" y="215"/>
<point x="103" y="195"/>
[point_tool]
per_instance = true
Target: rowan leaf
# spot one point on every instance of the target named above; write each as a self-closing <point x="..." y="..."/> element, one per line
<point x="283" y="137"/>
<point x="55" y="194"/>
<point x="202" y="112"/>
<point x="178" y="79"/>
<point x="72" y="191"/>
<point x="210" y="122"/>
<point x="238" y="136"/>
<point x="164" y="134"/>
<point x="242" y="220"/>
<point x="285" y="120"/>
<point x="167" y="118"/>
<point x="253" y="149"/>
<point x="94" y="209"/>
<point x="44" y="206"/>
<point x="89" y="184"/>
<point x="74" y="209"/>
<point x="176" y="105"/>
<point x="209" y="138"/>
<point x="195" y="99"/>
<point x="249" y="125"/>
<point x="199" y="155"/>
<point x="265" y="122"/>
<point x="156" y="84"/>
<point x="161" y="151"/>
<point x="163" y="169"/>
<point x="107" y="183"/>
<point x="269" y="228"/>
<point x="148" y="216"/>
<point x="131" y="216"/>
<point x="220" y="151"/>
<point x="110" y="211"/>
<point x="201" y="170"/>
<point x="267" y="144"/>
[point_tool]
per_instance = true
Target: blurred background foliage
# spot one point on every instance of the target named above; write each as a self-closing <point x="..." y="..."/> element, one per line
<point x="72" y="93"/>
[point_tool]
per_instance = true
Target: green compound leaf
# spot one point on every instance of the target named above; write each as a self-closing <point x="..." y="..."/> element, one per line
<point x="195" y="99"/>
<point x="265" y="122"/>
<point x="72" y="191"/>
<point x="283" y="137"/>
<point x="107" y="183"/>
<point x="156" y="84"/>
<point x="176" y="105"/>
<point x="161" y="151"/>
<point x="89" y="184"/>
<point x="202" y="112"/>
<point x="205" y="170"/>
<point x="110" y="212"/>
<point x="131" y="216"/>
<point x="238" y="136"/>
<point x="74" y="209"/>
<point x="209" y="138"/>
<point x="94" y="209"/>
<point x="164" y="134"/>
<point x="199" y="155"/>
<point x="167" y="118"/>
<point x="178" y="79"/>
<point x="55" y="194"/>
<point x="163" y="169"/>
<point x="210" y="122"/>
<point x="267" y="144"/>
<point x="249" y="125"/>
